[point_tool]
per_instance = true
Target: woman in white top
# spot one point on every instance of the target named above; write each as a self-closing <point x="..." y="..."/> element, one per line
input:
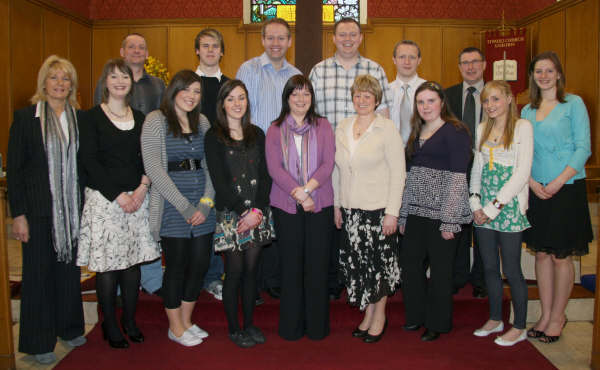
<point x="499" y="192"/>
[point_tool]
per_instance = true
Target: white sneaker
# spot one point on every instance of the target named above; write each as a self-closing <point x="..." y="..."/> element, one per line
<point x="216" y="289"/>
<point x="507" y="343"/>
<point x="198" y="331"/>
<point x="186" y="339"/>
<point x="485" y="333"/>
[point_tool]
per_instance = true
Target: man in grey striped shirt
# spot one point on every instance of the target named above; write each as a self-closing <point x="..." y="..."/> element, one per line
<point x="333" y="77"/>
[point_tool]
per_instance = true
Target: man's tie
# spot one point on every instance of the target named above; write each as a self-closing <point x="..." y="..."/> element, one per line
<point x="405" y="111"/>
<point x="469" y="111"/>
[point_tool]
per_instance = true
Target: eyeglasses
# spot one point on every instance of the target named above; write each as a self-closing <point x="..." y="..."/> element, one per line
<point x="470" y="62"/>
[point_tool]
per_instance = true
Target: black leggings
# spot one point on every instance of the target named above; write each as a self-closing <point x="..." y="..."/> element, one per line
<point x="106" y="290"/>
<point x="240" y="269"/>
<point x="186" y="263"/>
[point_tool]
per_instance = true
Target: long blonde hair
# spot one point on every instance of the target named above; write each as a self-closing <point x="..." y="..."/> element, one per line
<point x="511" y="115"/>
<point x="51" y="64"/>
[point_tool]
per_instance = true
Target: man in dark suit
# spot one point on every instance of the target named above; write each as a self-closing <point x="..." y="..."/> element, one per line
<point x="464" y="101"/>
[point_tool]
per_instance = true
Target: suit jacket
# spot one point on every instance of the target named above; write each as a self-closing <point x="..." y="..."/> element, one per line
<point x="27" y="167"/>
<point x="454" y="94"/>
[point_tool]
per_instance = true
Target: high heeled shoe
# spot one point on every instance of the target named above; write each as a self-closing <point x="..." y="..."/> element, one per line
<point x="135" y="335"/>
<point x="359" y="333"/>
<point x="545" y="338"/>
<point x="119" y="344"/>
<point x="375" y="338"/>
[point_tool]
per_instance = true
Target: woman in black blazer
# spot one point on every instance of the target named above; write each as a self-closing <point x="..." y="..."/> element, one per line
<point x="44" y="197"/>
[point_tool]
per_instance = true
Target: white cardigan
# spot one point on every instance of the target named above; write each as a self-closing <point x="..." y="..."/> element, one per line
<point x="519" y="155"/>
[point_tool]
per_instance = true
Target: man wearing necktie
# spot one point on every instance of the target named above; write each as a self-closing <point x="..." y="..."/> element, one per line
<point x="465" y="103"/>
<point x="407" y="57"/>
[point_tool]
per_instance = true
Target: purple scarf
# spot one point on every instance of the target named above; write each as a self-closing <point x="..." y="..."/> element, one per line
<point x="302" y="167"/>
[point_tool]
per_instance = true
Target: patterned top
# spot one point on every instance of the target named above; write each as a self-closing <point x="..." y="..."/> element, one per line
<point x="436" y="184"/>
<point x="265" y="85"/>
<point x="332" y="85"/>
<point x="189" y="183"/>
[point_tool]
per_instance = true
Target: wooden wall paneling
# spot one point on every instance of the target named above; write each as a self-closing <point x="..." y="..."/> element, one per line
<point x="379" y="46"/>
<point x="81" y="56"/>
<point x="181" y="53"/>
<point x="156" y="41"/>
<point x="328" y="45"/>
<point x="5" y="77"/>
<point x="7" y="348"/>
<point x="106" y="43"/>
<point x="429" y="40"/>
<point x="26" y="47"/>
<point x="253" y="45"/>
<point x="551" y="34"/>
<point x="234" y="49"/>
<point x="56" y="34"/>
<point x="454" y="39"/>
<point x="581" y="62"/>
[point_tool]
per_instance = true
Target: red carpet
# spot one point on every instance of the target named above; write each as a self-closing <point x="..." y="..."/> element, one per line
<point x="397" y="350"/>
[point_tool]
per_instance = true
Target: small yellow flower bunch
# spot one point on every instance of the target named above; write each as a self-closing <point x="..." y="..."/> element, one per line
<point x="155" y="68"/>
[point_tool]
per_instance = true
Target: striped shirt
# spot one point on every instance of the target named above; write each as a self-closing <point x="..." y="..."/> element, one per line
<point x="332" y="85"/>
<point x="265" y="85"/>
<point x="154" y="154"/>
<point x="190" y="184"/>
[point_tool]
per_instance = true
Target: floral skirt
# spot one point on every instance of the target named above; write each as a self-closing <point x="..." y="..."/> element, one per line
<point x="110" y="239"/>
<point x="368" y="259"/>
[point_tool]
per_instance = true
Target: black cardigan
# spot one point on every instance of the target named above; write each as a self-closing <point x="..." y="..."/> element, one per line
<point x="221" y="177"/>
<point x="111" y="159"/>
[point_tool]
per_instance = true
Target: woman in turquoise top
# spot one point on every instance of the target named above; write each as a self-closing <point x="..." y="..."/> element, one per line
<point x="499" y="191"/>
<point x="558" y="207"/>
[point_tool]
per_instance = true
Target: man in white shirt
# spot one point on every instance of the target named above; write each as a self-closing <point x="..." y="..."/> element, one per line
<point x="407" y="57"/>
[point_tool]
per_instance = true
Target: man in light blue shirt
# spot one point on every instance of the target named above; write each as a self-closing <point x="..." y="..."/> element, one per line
<point x="265" y="76"/>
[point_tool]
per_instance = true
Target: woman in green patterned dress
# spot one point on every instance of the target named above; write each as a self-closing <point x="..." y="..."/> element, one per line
<point x="499" y="192"/>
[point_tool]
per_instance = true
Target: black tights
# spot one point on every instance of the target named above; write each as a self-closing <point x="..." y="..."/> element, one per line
<point x="106" y="290"/>
<point x="240" y="267"/>
<point x="186" y="263"/>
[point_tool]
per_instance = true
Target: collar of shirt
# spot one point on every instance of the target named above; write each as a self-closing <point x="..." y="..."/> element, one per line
<point x="38" y="111"/>
<point x="360" y="61"/>
<point x="264" y="60"/>
<point x="217" y="74"/>
<point x="413" y="83"/>
<point x="478" y="86"/>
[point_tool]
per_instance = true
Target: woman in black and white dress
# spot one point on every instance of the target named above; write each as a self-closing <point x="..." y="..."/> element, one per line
<point x="115" y="236"/>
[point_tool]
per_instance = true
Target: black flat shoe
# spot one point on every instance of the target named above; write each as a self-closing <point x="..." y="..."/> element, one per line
<point x="429" y="335"/>
<point x="358" y="333"/>
<point x="122" y="343"/>
<point x="479" y="292"/>
<point x="375" y="338"/>
<point x="135" y="335"/>
<point x="411" y="327"/>
<point x="242" y="339"/>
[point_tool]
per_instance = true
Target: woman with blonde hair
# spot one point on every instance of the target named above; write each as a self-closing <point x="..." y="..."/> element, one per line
<point x="499" y="191"/>
<point x="558" y="206"/>
<point x="368" y="182"/>
<point x="44" y="199"/>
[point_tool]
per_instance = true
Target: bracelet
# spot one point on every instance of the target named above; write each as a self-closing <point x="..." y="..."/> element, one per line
<point x="497" y="204"/>
<point x="146" y="185"/>
<point x="306" y="191"/>
<point x="256" y="210"/>
<point x="208" y="201"/>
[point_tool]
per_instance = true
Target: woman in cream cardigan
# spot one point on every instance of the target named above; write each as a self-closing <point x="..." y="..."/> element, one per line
<point x="499" y="192"/>
<point x="368" y="183"/>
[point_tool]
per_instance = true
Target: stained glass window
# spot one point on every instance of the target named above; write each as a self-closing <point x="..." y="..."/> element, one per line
<point x="333" y="10"/>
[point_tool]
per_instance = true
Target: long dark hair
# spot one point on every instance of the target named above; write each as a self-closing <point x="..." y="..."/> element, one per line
<point x="221" y="125"/>
<point x="416" y="122"/>
<point x="297" y="82"/>
<point x="180" y="81"/>
<point x="535" y="95"/>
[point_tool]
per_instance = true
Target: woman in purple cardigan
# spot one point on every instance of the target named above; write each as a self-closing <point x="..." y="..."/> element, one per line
<point x="300" y="150"/>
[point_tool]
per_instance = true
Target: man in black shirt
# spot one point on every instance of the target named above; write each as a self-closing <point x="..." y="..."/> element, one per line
<point x="210" y="47"/>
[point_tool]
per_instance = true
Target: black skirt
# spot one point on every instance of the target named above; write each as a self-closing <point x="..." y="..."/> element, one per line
<point x="560" y="225"/>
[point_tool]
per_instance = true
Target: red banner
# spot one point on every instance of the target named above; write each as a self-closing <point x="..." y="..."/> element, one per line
<point x="506" y="57"/>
